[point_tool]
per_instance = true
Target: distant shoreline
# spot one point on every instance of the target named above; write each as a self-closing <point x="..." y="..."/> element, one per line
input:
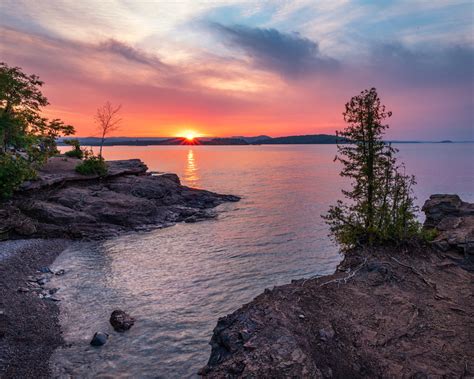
<point x="316" y="139"/>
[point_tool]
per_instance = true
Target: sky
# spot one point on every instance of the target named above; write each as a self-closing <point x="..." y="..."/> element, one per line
<point x="226" y="68"/>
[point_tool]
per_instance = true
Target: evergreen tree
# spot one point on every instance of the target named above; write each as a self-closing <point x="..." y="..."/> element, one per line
<point x="380" y="205"/>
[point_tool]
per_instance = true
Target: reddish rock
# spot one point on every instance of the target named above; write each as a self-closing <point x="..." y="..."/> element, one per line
<point x="121" y="321"/>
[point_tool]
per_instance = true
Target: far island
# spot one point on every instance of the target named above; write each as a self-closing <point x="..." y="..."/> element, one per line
<point x="310" y="139"/>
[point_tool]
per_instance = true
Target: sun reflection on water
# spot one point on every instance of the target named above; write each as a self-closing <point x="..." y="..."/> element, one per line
<point x="191" y="177"/>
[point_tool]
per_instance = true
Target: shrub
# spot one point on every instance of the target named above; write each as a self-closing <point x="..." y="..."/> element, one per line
<point x="14" y="170"/>
<point x="74" y="154"/>
<point x="92" y="165"/>
<point x="428" y="235"/>
<point x="76" y="151"/>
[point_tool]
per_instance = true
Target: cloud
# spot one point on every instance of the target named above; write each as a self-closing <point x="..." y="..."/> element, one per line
<point x="128" y="52"/>
<point x="291" y="55"/>
<point x="424" y="66"/>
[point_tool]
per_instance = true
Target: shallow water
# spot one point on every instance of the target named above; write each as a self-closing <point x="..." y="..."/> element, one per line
<point x="178" y="281"/>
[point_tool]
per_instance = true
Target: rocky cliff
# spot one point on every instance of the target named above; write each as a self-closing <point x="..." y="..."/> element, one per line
<point x="63" y="203"/>
<point x="454" y="221"/>
<point x="388" y="313"/>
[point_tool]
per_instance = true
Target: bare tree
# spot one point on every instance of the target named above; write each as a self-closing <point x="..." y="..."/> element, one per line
<point x="107" y="120"/>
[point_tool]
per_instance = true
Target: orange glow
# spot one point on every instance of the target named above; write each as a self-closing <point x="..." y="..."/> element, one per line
<point x="188" y="135"/>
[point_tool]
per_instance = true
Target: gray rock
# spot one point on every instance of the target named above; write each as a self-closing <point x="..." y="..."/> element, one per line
<point x="42" y="281"/>
<point x="26" y="228"/>
<point x="50" y="298"/>
<point x="454" y="221"/>
<point x="62" y="203"/>
<point x="326" y="334"/>
<point x="99" y="339"/>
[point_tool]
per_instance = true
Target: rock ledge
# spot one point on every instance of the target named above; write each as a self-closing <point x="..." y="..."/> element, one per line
<point x="64" y="204"/>
<point x="386" y="313"/>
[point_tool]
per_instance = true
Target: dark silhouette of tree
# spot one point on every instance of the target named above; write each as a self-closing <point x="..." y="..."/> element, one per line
<point x="380" y="206"/>
<point x="107" y="120"/>
<point x="26" y="138"/>
<point x="21" y="123"/>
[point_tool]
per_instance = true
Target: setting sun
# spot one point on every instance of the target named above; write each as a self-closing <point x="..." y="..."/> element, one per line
<point x="189" y="135"/>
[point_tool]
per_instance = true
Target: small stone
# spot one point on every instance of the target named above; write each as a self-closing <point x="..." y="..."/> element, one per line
<point x="99" y="339"/>
<point x="23" y="289"/>
<point x="121" y="321"/>
<point x="301" y="316"/>
<point x="52" y="291"/>
<point x="326" y="334"/>
<point x="45" y="270"/>
<point x="47" y="296"/>
<point x="51" y="298"/>
<point x="42" y="281"/>
<point x="60" y="272"/>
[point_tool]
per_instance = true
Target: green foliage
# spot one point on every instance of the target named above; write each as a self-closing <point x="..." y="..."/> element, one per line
<point x="92" y="165"/>
<point x="21" y="125"/>
<point x="14" y="170"/>
<point x="380" y="204"/>
<point x="428" y="235"/>
<point x="26" y="138"/>
<point x="76" y="151"/>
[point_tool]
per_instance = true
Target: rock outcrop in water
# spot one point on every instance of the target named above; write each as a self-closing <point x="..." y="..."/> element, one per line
<point x="63" y="203"/>
<point x="388" y="313"/>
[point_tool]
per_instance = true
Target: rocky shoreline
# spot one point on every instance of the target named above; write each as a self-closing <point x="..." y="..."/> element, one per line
<point x="405" y="311"/>
<point x="46" y="215"/>
<point x="29" y="325"/>
<point x="65" y="204"/>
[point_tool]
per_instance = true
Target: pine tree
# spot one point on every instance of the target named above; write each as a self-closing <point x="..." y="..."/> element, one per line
<point x="380" y="204"/>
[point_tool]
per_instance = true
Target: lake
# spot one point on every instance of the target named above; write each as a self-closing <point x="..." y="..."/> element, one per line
<point x="178" y="281"/>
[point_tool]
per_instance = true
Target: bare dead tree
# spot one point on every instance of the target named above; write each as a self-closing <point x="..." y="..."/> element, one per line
<point x="107" y="120"/>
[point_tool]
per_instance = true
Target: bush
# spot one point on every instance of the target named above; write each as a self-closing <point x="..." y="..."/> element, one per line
<point x="79" y="154"/>
<point x="428" y="235"/>
<point x="92" y="165"/>
<point x="76" y="151"/>
<point x="14" y="170"/>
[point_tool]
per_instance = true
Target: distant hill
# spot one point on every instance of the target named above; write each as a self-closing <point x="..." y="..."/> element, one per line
<point x="253" y="139"/>
<point x="237" y="140"/>
<point x="114" y="141"/>
<point x="224" y="141"/>
<point x="300" y="140"/>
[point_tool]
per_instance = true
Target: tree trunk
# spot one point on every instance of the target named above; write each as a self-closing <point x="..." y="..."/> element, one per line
<point x="370" y="178"/>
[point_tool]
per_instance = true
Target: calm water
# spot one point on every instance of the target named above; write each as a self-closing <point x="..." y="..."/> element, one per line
<point x="178" y="281"/>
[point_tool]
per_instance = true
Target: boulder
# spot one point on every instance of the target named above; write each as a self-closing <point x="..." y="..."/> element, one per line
<point x="454" y="221"/>
<point x="99" y="339"/>
<point x="121" y="321"/>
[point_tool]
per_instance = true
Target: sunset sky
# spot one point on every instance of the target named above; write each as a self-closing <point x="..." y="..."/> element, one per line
<point x="224" y="68"/>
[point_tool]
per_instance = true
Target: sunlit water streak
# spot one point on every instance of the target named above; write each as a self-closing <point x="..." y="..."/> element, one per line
<point x="178" y="281"/>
